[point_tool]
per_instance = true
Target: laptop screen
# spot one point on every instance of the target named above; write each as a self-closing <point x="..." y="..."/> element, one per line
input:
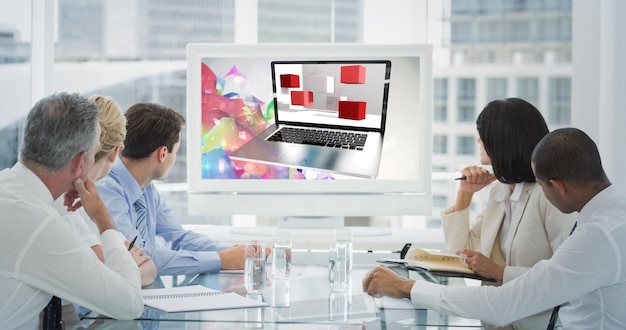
<point x="332" y="94"/>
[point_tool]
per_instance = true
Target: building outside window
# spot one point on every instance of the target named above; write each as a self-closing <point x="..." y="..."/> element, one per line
<point x="440" y="144"/>
<point x="466" y="99"/>
<point x="496" y="89"/>
<point x="559" y="90"/>
<point x="511" y="34"/>
<point x="465" y="145"/>
<point x="528" y="89"/>
<point x="440" y="102"/>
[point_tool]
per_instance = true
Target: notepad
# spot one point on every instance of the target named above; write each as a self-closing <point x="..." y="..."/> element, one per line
<point x="195" y="298"/>
<point x="437" y="263"/>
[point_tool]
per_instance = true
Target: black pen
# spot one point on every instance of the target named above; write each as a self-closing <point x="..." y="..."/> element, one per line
<point x="132" y="243"/>
<point x="405" y="250"/>
<point x="461" y="178"/>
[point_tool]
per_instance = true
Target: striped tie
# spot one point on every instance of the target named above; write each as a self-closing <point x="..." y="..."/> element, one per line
<point x="140" y="210"/>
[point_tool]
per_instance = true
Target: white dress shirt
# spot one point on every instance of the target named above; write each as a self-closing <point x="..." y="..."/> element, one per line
<point x="79" y="219"/>
<point x="587" y="274"/>
<point x="41" y="255"/>
<point x="509" y="199"/>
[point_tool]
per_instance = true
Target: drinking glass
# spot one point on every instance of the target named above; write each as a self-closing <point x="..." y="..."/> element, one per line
<point x="254" y="267"/>
<point x="340" y="259"/>
<point x="281" y="254"/>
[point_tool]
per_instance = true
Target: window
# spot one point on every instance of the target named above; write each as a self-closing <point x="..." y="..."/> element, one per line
<point x="465" y="145"/>
<point x="461" y="32"/>
<point x="555" y="29"/>
<point x="559" y="108"/>
<point x="490" y="32"/>
<point x="440" y="113"/>
<point x="528" y="89"/>
<point x="440" y="90"/>
<point x="440" y="144"/>
<point x="440" y="168"/>
<point x="466" y="96"/>
<point x="518" y="31"/>
<point x="466" y="90"/>
<point x="465" y="113"/>
<point x="15" y="71"/>
<point x="503" y="27"/>
<point x="440" y="201"/>
<point x="496" y="88"/>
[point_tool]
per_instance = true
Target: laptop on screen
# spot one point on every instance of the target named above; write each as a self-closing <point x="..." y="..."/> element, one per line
<point x="329" y="116"/>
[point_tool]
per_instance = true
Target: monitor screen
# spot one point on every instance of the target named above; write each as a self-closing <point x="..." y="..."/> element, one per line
<point x="332" y="86"/>
<point x="240" y="97"/>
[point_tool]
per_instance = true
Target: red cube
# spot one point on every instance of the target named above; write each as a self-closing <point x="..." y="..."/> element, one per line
<point x="304" y="98"/>
<point x="353" y="74"/>
<point x="289" y="81"/>
<point x="352" y="110"/>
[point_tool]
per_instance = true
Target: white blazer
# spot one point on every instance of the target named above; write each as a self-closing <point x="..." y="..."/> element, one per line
<point x="537" y="229"/>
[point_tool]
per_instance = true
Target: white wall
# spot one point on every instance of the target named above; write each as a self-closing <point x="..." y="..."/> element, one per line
<point x="599" y="80"/>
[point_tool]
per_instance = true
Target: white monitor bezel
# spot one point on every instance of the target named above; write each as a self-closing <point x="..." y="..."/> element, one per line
<point x="308" y="197"/>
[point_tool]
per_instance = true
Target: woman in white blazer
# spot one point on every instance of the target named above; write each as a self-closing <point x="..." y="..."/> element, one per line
<point x="519" y="226"/>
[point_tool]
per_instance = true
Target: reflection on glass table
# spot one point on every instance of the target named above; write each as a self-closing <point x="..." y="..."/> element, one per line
<point x="302" y="301"/>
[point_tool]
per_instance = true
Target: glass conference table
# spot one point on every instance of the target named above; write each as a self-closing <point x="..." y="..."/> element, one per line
<point x="303" y="301"/>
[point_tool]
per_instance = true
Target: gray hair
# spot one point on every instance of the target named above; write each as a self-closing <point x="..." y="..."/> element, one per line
<point x="58" y="128"/>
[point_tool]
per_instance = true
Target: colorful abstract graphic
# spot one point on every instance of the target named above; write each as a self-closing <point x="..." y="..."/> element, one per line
<point x="229" y="120"/>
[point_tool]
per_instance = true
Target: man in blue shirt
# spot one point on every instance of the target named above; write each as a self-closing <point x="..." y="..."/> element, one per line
<point x="152" y="141"/>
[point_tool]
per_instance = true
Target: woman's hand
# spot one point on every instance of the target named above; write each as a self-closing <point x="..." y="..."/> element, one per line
<point x="476" y="178"/>
<point x="481" y="265"/>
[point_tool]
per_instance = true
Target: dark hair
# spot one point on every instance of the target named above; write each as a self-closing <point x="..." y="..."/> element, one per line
<point x="568" y="154"/>
<point x="58" y="128"/>
<point x="150" y="126"/>
<point x="509" y="130"/>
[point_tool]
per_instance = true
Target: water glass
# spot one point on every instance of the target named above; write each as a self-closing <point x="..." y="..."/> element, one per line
<point x="281" y="292"/>
<point x="340" y="259"/>
<point x="254" y="318"/>
<point x="254" y="267"/>
<point x="281" y="254"/>
<point x="338" y="306"/>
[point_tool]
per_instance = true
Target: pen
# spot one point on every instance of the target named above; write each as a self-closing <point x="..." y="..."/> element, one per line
<point x="461" y="178"/>
<point x="132" y="243"/>
<point x="405" y="250"/>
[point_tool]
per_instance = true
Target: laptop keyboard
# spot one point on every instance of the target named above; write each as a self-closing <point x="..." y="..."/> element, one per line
<point x="323" y="138"/>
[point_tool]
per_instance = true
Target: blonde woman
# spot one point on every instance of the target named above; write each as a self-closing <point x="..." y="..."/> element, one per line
<point x="113" y="132"/>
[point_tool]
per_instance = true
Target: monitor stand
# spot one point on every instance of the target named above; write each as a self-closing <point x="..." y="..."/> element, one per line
<point x="310" y="226"/>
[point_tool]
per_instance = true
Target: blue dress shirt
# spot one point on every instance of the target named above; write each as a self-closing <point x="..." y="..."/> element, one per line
<point x="187" y="252"/>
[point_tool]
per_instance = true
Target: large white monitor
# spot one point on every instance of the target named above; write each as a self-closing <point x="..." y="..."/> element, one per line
<point x="234" y="92"/>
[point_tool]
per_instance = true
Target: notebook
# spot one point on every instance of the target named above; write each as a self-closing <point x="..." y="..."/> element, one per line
<point x="338" y="98"/>
<point x="195" y="298"/>
<point x="437" y="263"/>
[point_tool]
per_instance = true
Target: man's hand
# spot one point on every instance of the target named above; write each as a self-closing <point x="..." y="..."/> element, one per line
<point x="233" y="258"/>
<point x="71" y="200"/>
<point x="382" y="281"/>
<point x="482" y="265"/>
<point x="138" y="255"/>
<point x="91" y="202"/>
